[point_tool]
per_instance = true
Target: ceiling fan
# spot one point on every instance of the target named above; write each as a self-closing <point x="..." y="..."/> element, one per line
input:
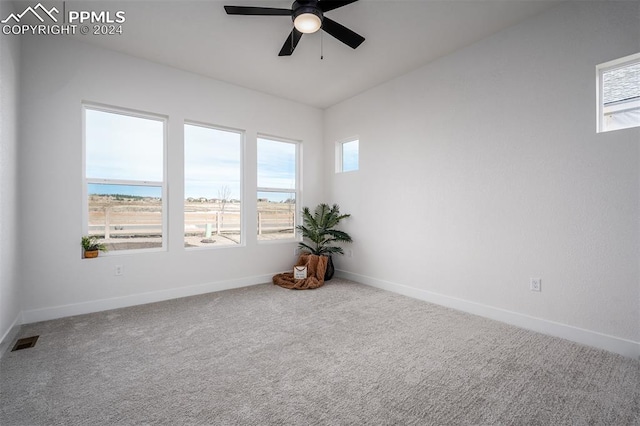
<point x="308" y="17"/>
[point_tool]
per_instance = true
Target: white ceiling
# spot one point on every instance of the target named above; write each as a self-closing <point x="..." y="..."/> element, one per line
<point x="401" y="35"/>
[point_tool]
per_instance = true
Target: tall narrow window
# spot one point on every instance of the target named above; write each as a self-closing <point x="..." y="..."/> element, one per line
<point x="212" y="186"/>
<point x="619" y="94"/>
<point x="347" y="156"/>
<point x="277" y="189"/>
<point x="124" y="178"/>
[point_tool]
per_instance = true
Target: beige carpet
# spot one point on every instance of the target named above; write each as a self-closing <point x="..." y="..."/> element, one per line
<point x="344" y="354"/>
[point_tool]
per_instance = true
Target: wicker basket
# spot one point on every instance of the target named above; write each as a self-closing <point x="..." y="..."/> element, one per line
<point x="90" y="254"/>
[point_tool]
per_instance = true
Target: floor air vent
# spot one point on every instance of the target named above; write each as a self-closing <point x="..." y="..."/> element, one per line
<point x="26" y="343"/>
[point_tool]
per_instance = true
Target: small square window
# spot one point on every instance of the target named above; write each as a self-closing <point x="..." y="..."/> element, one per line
<point x="347" y="156"/>
<point x="619" y="94"/>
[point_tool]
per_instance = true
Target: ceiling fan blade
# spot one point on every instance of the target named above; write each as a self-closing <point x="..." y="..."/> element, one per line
<point x="258" y="11"/>
<point x="342" y="33"/>
<point x="292" y="41"/>
<point x="327" y="5"/>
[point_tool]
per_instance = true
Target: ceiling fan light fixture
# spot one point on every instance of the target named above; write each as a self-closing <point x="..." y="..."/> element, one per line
<point x="307" y="20"/>
<point x="308" y="17"/>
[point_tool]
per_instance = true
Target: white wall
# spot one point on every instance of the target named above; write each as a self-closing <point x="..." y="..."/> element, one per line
<point x="483" y="169"/>
<point x="10" y="301"/>
<point x="58" y="74"/>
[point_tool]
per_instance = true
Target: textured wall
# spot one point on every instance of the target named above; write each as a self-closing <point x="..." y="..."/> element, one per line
<point x="484" y="168"/>
<point x="58" y="75"/>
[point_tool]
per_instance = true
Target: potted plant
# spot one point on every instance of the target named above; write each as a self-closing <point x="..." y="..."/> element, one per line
<point x="92" y="246"/>
<point x="318" y="228"/>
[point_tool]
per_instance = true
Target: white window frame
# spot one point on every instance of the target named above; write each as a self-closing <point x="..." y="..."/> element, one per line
<point x="600" y="70"/>
<point x="339" y="148"/>
<point x="297" y="191"/>
<point x="163" y="184"/>
<point x="243" y="216"/>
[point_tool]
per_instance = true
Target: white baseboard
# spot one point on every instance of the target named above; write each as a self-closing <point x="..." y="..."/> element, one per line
<point x="10" y="334"/>
<point x="45" y="314"/>
<point x="595" y="339"/>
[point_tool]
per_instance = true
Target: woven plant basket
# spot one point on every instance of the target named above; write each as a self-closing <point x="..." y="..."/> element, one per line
<point x="90" y="254"/>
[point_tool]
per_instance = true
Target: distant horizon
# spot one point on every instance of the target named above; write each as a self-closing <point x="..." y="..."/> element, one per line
<point x="126" y="190"/>
<point x="110" y="190"/>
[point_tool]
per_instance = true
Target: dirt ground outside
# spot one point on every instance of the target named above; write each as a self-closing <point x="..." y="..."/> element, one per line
<point x="128" y="223"/>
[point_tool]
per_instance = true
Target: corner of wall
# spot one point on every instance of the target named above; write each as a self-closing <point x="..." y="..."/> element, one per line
<point x="10" y="335"/>
<point x="10" y="291"/>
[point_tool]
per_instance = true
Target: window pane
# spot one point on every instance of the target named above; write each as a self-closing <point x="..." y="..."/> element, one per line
<point x="123" y="147"/>
<point x="350" y="152"/>
<point x="276" y="215"/>
<point x="621" y="84"/>
<point x="622" y="119"/>
<point x="212" y="171"/>
<point x="621" y="96"/>
<point x="126" y="217"/>
<point x="276" y="164"/>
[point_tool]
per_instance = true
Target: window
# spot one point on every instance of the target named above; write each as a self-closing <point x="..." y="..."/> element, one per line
<point x="277" y="189"/>
<point x="619" y="94"/>
<point x="212" y="186"/>
<point x="124" y="178"/>
<point x="347" y="154"/>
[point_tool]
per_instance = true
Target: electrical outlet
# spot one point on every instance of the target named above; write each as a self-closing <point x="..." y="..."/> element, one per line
<point x="118" y="270"/>
<point x="349" y="253"/>
<point x="296" y="251"/>
<point x="535" y="284"/>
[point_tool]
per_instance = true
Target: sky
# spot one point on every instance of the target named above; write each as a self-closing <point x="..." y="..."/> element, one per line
<point x="350" y="156"/>
<point x="212" y="162"/>
<point x="123" y="147"/>
<point x="276" y="169"/>
<point x="131" y="148"/>
<point x="276" y="164"/>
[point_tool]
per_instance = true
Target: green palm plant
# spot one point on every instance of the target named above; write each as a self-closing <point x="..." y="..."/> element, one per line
<point x="318" y="229"/>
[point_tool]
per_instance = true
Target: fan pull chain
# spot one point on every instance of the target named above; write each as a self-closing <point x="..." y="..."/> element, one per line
<point x="321" y="45"/>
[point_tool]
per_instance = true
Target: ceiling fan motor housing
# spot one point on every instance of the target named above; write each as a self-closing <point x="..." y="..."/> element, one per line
<point x="300" y="7"/>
